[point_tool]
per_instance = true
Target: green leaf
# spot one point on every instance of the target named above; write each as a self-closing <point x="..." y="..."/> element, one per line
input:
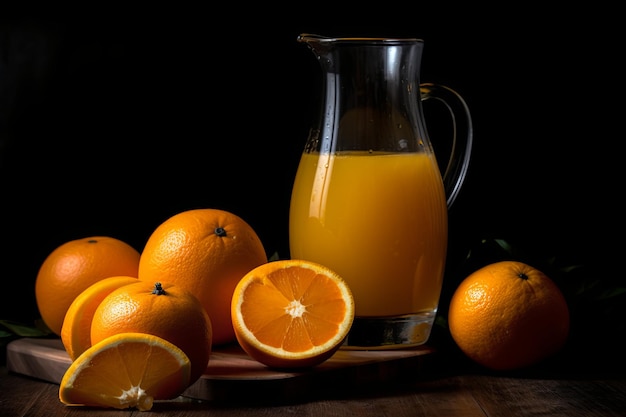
<point x="274" y="257"/>
<point x="610" y="293"/>
<point x="504" y="245"/>
<point x="23" y="330"/>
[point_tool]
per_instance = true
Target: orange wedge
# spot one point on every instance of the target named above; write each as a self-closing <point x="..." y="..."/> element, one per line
<point x="124" y="371"/>
<point x="76" y="329"/>
<point x="291" y="313"/>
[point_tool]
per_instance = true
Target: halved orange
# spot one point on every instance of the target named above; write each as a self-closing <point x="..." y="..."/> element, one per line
<point x="291" y="313"/>
<point x="76" y="329"/>
<point x="124" y="371"/>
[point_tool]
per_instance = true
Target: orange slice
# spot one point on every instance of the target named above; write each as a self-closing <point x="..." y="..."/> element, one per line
<point x="291" y="313"/>
<point x="124" y="371"/>
<point x="76" y="329"/>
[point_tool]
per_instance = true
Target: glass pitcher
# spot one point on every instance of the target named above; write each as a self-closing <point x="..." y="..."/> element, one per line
<point x="369" y="200"/>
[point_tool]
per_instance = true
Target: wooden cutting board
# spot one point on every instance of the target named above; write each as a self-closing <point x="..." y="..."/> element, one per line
<point x="232" y="372"/>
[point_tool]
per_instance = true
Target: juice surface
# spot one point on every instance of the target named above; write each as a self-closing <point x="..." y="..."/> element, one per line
<point x="379" y="220"/>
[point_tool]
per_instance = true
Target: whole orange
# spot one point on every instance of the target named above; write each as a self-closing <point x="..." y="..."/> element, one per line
<point x="206" y="251"/>
<point x="508" y="315"/>
<point x="160" y="309"/>
<point x="75" y="265"/>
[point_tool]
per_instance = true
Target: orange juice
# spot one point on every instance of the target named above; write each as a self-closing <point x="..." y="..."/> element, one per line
<point x="377" y="219"/>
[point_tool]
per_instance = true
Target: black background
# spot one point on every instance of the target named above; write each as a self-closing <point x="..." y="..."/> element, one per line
<point x="112" y="120"/>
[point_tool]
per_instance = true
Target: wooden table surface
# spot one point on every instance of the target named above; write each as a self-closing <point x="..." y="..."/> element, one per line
<point x="439" y="389"/>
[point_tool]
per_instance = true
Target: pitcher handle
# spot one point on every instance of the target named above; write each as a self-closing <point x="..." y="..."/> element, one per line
<point x="462" y="137"/>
